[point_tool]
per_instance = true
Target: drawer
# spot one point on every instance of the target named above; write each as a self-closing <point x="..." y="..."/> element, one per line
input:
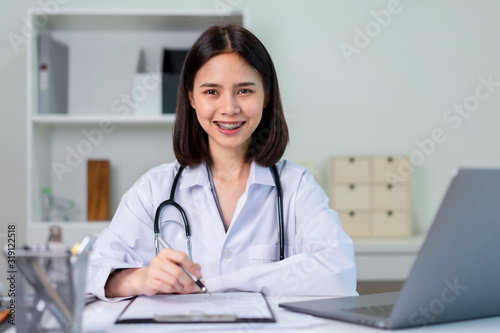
<point x="349" y="170"/>
<point x="390" y="197"/>
<point x="391" y="224"/>
<point x="350" y="197"/>
<point x="355" y="223"/>
<point x="391" y="169"/>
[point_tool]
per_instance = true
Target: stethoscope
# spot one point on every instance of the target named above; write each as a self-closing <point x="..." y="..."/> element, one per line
<point x="171" y="202"/>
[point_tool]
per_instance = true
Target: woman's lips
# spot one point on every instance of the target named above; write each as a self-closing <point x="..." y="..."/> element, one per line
<point x="229" y="125"/>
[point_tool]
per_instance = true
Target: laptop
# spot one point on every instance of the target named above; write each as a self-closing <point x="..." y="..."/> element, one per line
<point x="456" y="275"/>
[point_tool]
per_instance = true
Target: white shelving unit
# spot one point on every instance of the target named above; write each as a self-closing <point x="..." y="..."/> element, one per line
<point x="386" y="259"/>
<point x="104" y="48"/>
<point x="57" y="119"/>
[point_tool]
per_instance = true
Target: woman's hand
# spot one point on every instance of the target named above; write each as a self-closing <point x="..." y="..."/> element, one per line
<point x="162" y="276"/>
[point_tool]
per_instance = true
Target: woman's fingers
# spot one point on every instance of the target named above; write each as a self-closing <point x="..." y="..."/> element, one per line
<point x="154" y="281"/>
<point x="164" y="275"/>
<point x="182" y="259"/>
<point x="176" y="273"/>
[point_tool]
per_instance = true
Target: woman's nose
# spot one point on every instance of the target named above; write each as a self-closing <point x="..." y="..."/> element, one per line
<point x="230" y="105"/>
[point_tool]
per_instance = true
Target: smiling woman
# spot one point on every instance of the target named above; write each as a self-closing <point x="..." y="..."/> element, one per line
<point x="229" y="136"/>
<point x="230" y="109"/>
<point x="233" y="67"/>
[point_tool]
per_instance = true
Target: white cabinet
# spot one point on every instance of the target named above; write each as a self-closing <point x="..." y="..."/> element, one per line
<point x="386" y="259"/>
<point x="100" y="121"/>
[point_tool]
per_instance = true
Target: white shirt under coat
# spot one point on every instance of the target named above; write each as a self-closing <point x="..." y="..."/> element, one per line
<point x="319" y="256"/>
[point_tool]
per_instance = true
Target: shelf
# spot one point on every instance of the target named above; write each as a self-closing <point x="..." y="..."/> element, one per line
<point x="74" y="224"/>
<point x="72" y="232"/>
<point x="65" y="119"/>
<point x="136" y="19"/>
<point x="101" y="122"/>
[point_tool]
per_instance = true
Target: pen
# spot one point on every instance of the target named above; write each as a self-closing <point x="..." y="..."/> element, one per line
<point x="195" y="279"/>
<point x="84" y="246"/>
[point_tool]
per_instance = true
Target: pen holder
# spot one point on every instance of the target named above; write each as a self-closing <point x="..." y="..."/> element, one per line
<point x="51" y="290"/>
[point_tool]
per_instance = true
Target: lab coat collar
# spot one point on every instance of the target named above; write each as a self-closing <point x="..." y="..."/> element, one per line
<point x="194" y="175"/>
<point x="197" y="175"/>
<point x="260" y="175"/>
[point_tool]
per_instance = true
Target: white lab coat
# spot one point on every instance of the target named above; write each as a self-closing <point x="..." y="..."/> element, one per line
<point x="319" y="255"/>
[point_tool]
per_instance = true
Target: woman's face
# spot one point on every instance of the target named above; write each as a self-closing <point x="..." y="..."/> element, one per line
<point x="228" y="96"/>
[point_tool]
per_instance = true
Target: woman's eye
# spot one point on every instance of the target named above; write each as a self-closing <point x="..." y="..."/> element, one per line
<point x="211" y="92"/>
<point x="244" y="91"/>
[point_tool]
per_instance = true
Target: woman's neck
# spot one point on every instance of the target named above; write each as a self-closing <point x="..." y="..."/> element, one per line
<point x="229" y="164"/>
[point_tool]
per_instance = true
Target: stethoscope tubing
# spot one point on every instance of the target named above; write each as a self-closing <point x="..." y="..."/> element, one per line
<point x="276" y="178"/>
<point x="170" y="201"/>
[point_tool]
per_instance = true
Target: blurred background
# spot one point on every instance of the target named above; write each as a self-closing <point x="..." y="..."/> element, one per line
<point x="358" y="78"/>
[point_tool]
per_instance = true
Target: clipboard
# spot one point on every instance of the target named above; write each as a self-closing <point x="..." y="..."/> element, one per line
<point x="234" y="307"/>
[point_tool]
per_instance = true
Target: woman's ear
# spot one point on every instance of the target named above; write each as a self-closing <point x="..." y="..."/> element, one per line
<point x="191" y="99"/>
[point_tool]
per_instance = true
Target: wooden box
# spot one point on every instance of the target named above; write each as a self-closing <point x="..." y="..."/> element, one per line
<point x="390" y="197"/>
<point x="391" y="224"/>
<point x="390" y="169"/>
<point x="98" y="190"/>
<point x="372" y="195"/>
<point x="356" y="223"/>
<point x="350" y="197"/>
<point x="349" y="170"/>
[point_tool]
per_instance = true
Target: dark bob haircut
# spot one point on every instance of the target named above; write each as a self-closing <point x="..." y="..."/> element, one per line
<point x="270" y="138"/>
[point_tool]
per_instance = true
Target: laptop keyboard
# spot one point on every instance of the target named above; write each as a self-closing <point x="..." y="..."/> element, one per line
<point x="378" y="310"/>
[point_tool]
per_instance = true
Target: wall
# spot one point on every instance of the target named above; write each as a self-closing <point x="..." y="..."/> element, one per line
<point x="389" y="95"/>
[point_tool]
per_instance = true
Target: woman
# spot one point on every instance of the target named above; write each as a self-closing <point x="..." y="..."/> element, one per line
<point x="229" y="132"/>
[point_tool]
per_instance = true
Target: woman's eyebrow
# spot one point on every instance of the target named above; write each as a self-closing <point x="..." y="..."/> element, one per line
<point x="216" y="85"/>
<point x="210" y="85"/>
<point x="244" y="84"/>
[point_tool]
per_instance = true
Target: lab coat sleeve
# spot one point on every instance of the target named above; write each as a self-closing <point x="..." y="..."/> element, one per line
<point x="324" y="261"/>
<point x="128" y="242"/>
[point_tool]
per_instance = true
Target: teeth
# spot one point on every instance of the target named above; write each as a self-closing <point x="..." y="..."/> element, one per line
<point x="228" y="126"/>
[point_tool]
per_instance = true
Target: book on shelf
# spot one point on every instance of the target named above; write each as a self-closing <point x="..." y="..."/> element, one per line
<point x="53" y="60"/>
<point x="173" y="61"/>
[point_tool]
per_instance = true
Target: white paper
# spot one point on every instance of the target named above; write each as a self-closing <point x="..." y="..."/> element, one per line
<point x="286" y="321"/>
<point x="100" y="317"/>
<point x="242" y="305"/>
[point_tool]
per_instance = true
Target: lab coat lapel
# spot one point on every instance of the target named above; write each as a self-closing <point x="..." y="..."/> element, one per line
<point x="258" y="175"/>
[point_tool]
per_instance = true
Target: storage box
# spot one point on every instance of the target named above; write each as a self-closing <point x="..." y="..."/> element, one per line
<point x="350" y="197"/>
<point x="146" y="93"/>
<point x="98" y="190"/>
<point x="173" y="61"/>
<point x="391" y="224"/>
<point x="147" y="89"/>
<point x="371" y="194"/>
<point x="356" y="223"/>
<point x="349" y="170"/>
<point x="390" y="197"/>
<point x="390" y="169"/>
